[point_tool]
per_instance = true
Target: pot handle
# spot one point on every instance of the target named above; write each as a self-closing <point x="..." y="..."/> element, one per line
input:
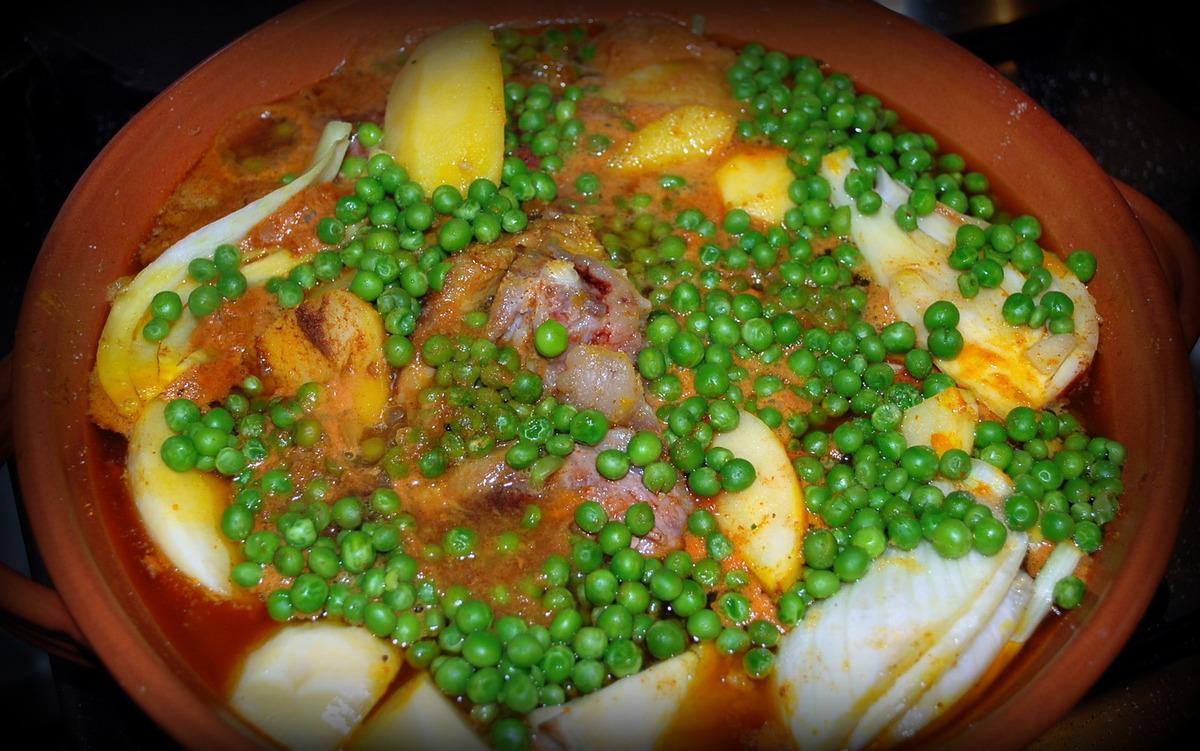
<point x="1176" y="254"/>
<point x="28" y="610"/>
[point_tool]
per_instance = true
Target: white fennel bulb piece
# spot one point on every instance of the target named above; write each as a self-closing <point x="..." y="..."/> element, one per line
<point x="131" y="370"/>
<point x="310" y="685"/>
<point x="1005" y="366"/>
<point x="181" y="511"/>
<point x="974" y="662"/>
<point x="862" y="658"/>
<point x="1061" y="563"/>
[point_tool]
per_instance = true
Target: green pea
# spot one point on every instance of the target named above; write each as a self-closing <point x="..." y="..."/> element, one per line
<point x="612" y="464"/>
<point x="759" y="663"/>
<point x="550" y="338"/>
<point x="665" y="639"/>
<point x="1082" y="264"/>
<point x="308" y="593"/>
<point x="1069" y="592"/>
<point x="952" y="538"/>
<point x="591" y="517"/>
<point x="737" y="475"/>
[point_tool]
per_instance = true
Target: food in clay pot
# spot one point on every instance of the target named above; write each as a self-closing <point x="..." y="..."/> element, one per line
<point x="608" y="387"/>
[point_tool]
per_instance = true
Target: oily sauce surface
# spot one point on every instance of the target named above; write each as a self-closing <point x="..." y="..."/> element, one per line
<point x="210" y="635"/>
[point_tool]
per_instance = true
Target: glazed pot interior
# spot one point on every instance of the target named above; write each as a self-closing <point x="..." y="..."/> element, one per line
<point x="934" y="85"/>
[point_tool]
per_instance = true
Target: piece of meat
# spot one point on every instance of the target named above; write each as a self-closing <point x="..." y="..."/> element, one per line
<point x="579" y="477"/>
<point x="602" y="312"/>
<point x="470" y="285"/>
<point x="598" y="378"/>
<point x="487" y="486"/>
<point x="552" y="270"/>
<point x="597" y="304"/>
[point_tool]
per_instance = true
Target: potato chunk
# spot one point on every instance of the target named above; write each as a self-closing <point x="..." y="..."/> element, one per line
<point x="311" y="684"/>
<point x="680" y="135"/>
<point x="180" y="510"/>
<point x="766" y="521"/>
<point x="445" y="114"/>
<point x="417" y="717"/>
<point x="645" y="703"/>
<point x="757" y="181"/>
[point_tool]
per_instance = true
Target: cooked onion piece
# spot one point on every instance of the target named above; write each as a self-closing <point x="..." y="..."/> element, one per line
<point x="310" y="685"/>
<point x="180" y="510"/>
<point x="1006" y="366"/>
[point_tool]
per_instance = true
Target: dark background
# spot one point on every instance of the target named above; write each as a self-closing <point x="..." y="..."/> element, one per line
<point x="1120" y="76"/>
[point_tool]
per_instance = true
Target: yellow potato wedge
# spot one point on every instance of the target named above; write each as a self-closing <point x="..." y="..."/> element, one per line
<point x="757" y="181"/>
<point x="680" y="135"/>
<point x="310" y="685"/>
<point x="445" y="116"/>
<point x="766" y="520"/>
<point x="417" y="717"/>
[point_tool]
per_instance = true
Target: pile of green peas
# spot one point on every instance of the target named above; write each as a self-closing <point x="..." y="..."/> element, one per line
<point x="354" y="574"/>
<point x="218" y="279"/>
<point x="614" y="612"/>
<point x="239" y="434"/>
<point x="523" y="47"/>
<point x="1068" y="484"/>
<point x="643" y="243"/>
<point x="542" y="121"/>
<point x="797" y="106"/>
<point x="493" y="400"/>
<point x="398" y="242"/>
<point x="539" y="117"/>
<point x="980" y="255"/>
